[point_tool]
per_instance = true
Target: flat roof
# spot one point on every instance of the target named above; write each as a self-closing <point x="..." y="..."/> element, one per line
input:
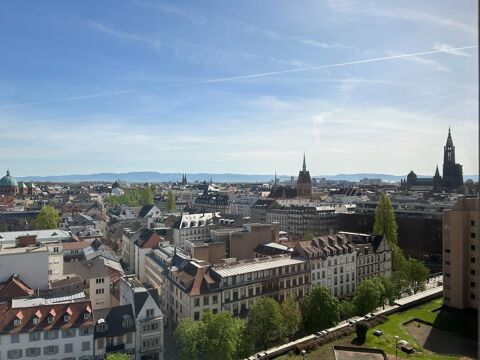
<point x="42" y="235"/>
<point x="257" y="265"/>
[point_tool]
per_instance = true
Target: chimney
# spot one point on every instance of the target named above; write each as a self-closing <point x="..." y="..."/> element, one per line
<point x="26" y="240"/>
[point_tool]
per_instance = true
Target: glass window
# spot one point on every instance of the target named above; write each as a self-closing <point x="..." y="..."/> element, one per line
<point x="15" y="338"/>
<point x="68" y="348"/>
<point x="85" y="345"/>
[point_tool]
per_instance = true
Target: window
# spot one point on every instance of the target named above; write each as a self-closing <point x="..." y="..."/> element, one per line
<point x="100" y="280"/>
<point x="472" y="235"/>
<point x="49" y="319"/>
<point x="472" y="260"/>
<point x="447" y="251"/>
<point x="214" y="299"/>
<point x="472" y="284"/>
<point x="14" y="354"/>
<point x="49" y="335"/>
<point x="150" y="312"/>
<point x="472" y="247"/>
<point x="32" y="352"/>
<point x="205" y="300"/>
<point x="472" y="296"/>
<point x="35" y="320"/>
<point x="196" y="316"/>
<point x="472" y="222"/>
<point x="15" y="338"/>
<point x="196" y="302"/>
<point x="100" y="291"/>
<point x="86" y="346"/>
<point x="68" y="348"/>
<point x="472" y="272"/>
<point x="35" y="336"/>
<point x="85" y="331"/>
<point x="50" y="350"/>
<point x="68" y="333"/>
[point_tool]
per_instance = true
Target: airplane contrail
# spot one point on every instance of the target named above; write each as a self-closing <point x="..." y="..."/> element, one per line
<point x="240" y="77"/>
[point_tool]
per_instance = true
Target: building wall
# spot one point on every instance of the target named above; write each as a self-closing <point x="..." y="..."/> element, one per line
<point x="128" y="340"/>
<point x="77" y="342"/>
<point x="99" y="291"/>
<point x="461" y="254"/>
<point x="242" y="244"/>
<point x="32" y="267"/>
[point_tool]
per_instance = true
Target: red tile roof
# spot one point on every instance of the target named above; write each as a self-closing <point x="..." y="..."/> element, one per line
<point x="42" y="312"/>
<point x="14" y="288"/>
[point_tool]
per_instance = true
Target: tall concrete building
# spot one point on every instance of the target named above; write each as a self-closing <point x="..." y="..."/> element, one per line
<point x="461" y="254"/>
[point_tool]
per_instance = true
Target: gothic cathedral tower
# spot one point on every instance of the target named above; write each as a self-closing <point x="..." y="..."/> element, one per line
<point x="452" y="172"/>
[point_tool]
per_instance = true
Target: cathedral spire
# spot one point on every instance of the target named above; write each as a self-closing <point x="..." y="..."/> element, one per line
<point x="449" y="138"/>
<point x="304" y="163"/>
<point x="437" y="173"/>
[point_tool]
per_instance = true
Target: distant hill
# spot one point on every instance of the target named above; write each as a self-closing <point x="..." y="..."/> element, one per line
<point x="151" y="176"/>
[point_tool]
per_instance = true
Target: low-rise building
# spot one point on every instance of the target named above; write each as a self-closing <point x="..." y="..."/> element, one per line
<point x="332" y="260"/>
<point x="192" y="227"/>
<point x="46" y="330"/>
<point x="148" y="318"/>
<point x="374" y="255"/>
<point x="115" y="331"/>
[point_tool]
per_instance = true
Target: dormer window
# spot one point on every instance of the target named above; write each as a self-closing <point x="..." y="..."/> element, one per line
<point x="126" y="321"/>
<point x="102" y="326"/>
<point x="66" y="317"/>
<point x="16" y="322"/>
<point x="50" y="319"/>
<point x="35" y="320"/>
<point x="86" y="316"/>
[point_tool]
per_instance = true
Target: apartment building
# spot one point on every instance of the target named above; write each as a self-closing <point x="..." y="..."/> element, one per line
<point x="241" y="284"/>
<point x="301" y="220"/>
<point x="189" y="288"/>
<point x="46" y="330"/>
<point x="242" y="204"/>
<point x="332" y="260"/>
<point x="461" y="254"/>
<point x="115" y="331"/>
<point x="192" y="227"/>
<point x="374" y="255"/>
<point x="149" y="318"/>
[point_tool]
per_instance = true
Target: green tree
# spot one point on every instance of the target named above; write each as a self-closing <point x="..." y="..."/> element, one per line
<point x="308" y="236"/>
<point x="265" y="321"/>
<point x="400" y="284"/>
<point x="386" y="288"/>
<point x="171" y="206"/>
<point x="291" y="315"/>
<point x="366" y="298"/>
<point x="190" y="338"/>
<point x="346" y="309"/>
<point x="147" y="195"/>
<point x="417" y="274"/>
<point x="361" y="329"/>
<point x="118" y="356"/>
<point x="222" y="335"/>
<point x="320" y="310"/>
<point x="385" y="223"/>
<point x="47" y="218"/>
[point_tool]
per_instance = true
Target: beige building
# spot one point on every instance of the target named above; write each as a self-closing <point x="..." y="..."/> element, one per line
<point x="461" y="254"/>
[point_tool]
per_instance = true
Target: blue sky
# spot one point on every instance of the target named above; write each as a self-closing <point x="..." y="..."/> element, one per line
<point x="244" y="86"/>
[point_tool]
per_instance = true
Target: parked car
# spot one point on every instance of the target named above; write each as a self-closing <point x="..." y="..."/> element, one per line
<point x="378" y="332"/>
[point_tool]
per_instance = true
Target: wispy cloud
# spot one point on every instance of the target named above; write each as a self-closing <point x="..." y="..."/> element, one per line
<point x="449" y="49"/>
<point x="432" y="63"/>
<point x="245" y="77"/>
<point x="152" y="40"/>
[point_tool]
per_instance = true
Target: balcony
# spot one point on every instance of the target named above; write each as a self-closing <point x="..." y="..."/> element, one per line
<point x="115" y="348"/>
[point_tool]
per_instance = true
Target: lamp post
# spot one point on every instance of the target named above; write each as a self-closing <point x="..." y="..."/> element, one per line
<point x="396" y="347"/>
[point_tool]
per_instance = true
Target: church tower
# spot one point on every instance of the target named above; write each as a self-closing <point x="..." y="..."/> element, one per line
<point x="452" y="172"/>
<point x="304" y="182"/>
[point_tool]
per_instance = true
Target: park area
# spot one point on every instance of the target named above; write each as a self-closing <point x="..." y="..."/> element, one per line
<point x="433" y="332"/>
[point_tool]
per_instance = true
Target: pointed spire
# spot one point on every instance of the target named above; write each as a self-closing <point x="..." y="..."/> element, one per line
<point x="275" y="181"/>
<point x="304" y="163"/>
<point x="449" y="138"/>
<point x="437" y="173"/>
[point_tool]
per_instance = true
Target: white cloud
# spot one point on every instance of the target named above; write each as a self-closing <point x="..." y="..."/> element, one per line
<point x="153" y="41"/>
<point x="450" y="49"/>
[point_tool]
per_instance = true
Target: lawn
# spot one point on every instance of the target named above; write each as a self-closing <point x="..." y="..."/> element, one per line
<point x="393" y="326"/>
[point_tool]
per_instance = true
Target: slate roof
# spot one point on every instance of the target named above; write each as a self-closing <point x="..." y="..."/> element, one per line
<point x="114" y="317"/>
<point x="144" y="211"/>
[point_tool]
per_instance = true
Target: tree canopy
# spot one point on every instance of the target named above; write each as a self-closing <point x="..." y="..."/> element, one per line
<point x="215" y="337"/>
<point x="385" y="223"/>
<point x="171" y="206"/>
<point x="292" y="316"/>
<point x="147" y="195"/>
<point x="118" y="356"/>
<point x="367" y="297"/>
<point x="320" y="310"/>
<point x="47" y="218"/>
<point x="265" y="321"/>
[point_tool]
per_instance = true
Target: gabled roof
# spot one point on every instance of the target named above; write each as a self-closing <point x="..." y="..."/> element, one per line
<point x="75" y="310"/>
<point x="145" y="210"/>
<point x="14" y="287"/>
<point x="115" y="317"/>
